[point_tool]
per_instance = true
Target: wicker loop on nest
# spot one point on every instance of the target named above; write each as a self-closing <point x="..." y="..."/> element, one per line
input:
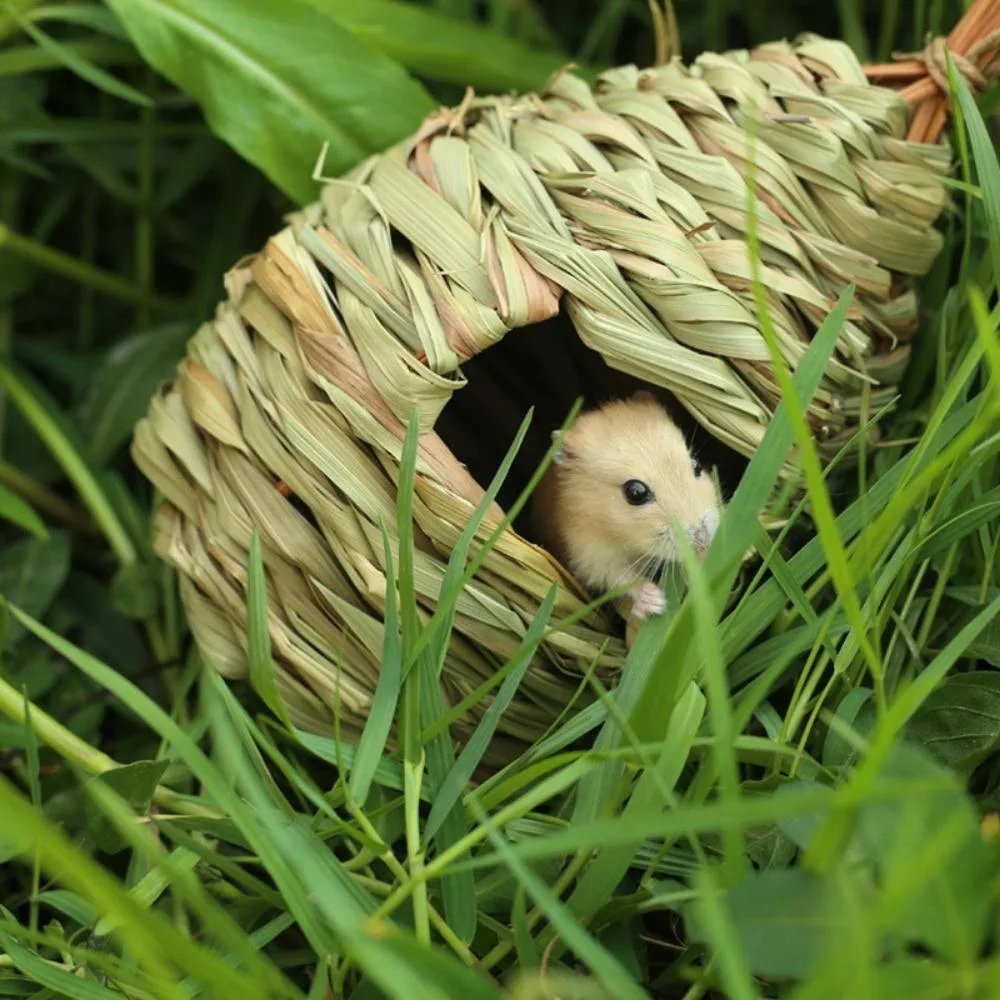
<point x="923" y="76"/>
<point x="980" y="64"/>
<point x="627" y="204"/>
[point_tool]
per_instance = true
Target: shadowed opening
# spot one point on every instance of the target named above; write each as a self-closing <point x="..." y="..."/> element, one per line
<point x="547" y="366"/>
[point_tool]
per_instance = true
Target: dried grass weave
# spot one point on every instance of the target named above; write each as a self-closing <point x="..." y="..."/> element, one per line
<point x="626" y="206"/>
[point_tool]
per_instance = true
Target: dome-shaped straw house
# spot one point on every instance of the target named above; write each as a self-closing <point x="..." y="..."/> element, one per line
<point x="623" y="208"/>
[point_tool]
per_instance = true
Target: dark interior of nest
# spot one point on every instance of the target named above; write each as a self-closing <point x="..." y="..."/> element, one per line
<point x="547" y="367"/>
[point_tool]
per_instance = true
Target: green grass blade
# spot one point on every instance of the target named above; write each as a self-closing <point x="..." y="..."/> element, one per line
<point x="21" y="513"/>
<point x="384" y="702"/>
<point x="61" y="982"/>
<point x="604" y="965"/>
<point x="651" y="680"/>
<point x="176" y="870"/>
<point x="318" y="874"/>
<point x="719" y="705"/>
<point x="215" y="783"/>
<point x="985" y="157"/>
<point x="726" y="950"/>
<point x="654" y="789"/>
<point x="259" y="634"/>
<point x="60" y="439"/>
<point x="414" y="686"/>
<point x="459" y="571"/>
<point x="711" y="818"/>
<point x="79" y="65"/>
<point x="151" y="938"/>
<point x="845" y="581"/>
<point x="450" y="790"/>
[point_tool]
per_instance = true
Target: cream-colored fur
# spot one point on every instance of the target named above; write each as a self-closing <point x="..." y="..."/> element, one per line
<point x="581" y="511"/>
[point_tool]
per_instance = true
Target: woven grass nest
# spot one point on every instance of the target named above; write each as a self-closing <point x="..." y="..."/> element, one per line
<point x="622" y="209"/>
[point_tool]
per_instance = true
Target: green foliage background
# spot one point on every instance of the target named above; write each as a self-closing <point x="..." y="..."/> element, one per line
<point x="790" y="794"/>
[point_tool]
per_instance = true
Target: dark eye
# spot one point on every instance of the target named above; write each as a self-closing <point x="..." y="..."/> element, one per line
<point x="697" y="467"/>
<point x="637" y="493"/>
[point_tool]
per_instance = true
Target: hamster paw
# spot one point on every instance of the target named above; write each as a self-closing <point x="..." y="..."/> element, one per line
<point x="647" y="599"/>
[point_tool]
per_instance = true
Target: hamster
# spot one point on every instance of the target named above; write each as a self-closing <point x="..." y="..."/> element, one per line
<point x="606" y="507"/>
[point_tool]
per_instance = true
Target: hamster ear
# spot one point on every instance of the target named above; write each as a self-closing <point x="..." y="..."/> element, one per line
<point x="643" y="396"/>
<point x="563" y="453"/>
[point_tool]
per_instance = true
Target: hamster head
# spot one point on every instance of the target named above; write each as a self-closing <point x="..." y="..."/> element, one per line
<point x="627" y="482"/>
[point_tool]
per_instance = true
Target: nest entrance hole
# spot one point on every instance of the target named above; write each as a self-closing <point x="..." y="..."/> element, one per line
<point x="546" y="366"/>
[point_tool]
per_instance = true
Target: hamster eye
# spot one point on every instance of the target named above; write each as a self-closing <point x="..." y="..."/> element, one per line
<point x="637" y="493"/>
<point x="697" y="467"/>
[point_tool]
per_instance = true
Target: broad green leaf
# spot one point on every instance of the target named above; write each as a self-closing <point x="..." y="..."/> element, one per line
<point x="119" y="389"/>
<point x="959" y="723"/>
<point x="768" y="847"/>
<point x="924" y="979"/>
<point x="444" y="48"/>
<point x="135" y="591"/>
<point x="836" y="833"/>
<point x="800" y="827"/>
<point x="933" y="862"/>
<point x="783" y="921"/>
<point x="32" y="572"/>
<point x="277" y="81"/>
<point x="103" y="629"/>
<point x="135" y="783"/>
<point x="715" y="924"/>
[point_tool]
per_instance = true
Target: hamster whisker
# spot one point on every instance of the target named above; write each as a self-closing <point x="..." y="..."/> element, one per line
<point x="648" y="565"/>
<point x="634" y="568"/>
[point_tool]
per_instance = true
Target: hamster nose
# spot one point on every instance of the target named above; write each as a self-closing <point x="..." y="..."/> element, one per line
<point x="703" y="532"/>
<point x="700" y="538"/>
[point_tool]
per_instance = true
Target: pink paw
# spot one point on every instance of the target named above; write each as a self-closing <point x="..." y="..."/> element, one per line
<point x="647" y="599"/>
